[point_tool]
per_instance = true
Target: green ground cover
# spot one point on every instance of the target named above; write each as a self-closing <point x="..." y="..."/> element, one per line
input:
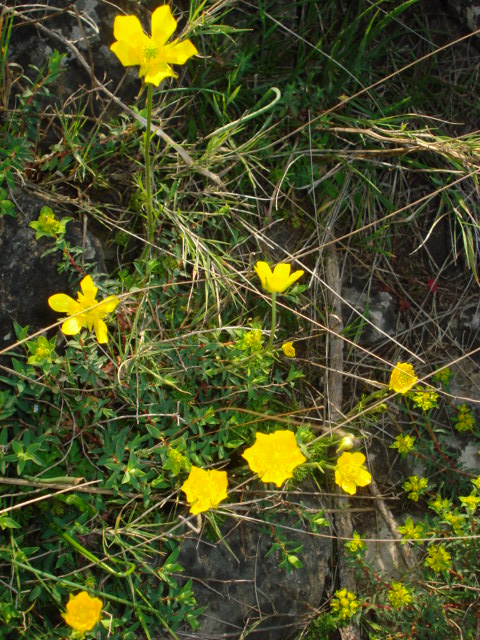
<point x="336" y="138"/>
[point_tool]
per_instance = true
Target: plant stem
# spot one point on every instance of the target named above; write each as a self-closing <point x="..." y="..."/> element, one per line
<point x="274" y="320"/>
<point x="148" y="176"/>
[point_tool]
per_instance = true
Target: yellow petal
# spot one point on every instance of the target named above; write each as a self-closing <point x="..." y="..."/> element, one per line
<point x="108" y="305"/>
<point x="179" y="52"/>
<point x="72" y="326"/>
<point x="128" y="55"/>
<point x="101" y="331"/>
<point x="363" y="478"/>
<point x="128" y="29"/>
<point x="264" y="273"/>
<point x="163" y="24"/>
<point x="88" y="288"/>
<point x="63" y="303"/>
<point x="355" y="458"/>
<point x="155" y="73"/>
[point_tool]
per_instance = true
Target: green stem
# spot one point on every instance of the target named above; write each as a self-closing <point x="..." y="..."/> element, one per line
<point x="87" y="554"/>
<point x="274" y="320"/>
<point x="148" y="176"/>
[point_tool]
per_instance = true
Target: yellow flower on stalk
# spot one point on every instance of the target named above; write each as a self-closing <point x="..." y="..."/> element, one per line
<point x="345" y="604"/>
<point x="415" y="486"/>
<point x="152" y="54"/>
<point x="465" y="420"/>
<point x="356" y="544"/>
<point x="288" y="349"/>
<point x="404" y="444"/>
<point x="403" y="378"/>
<point x="205" y="489"/>
<point x="278" y="280"/>
<point x="470" y="502"/>
<point x="399" y="595"/>
<point x="438" y="558"/>
<point x="425" y="398"/>
<point x="411" y="531"/>
<point x="274" y="456"/>
<point x="85" y="311"/>
<point x="83" y="612"/>
<point x="350" y="472"/>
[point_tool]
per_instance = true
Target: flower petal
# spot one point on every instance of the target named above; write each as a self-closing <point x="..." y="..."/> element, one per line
<point x="72" y="326"/>
<point x="356" y="458"/>
<point x="63" y="303"/>
<point x="264" y="273"/>
<point x="88" y="288"/>
<point x="128" y="29"/>
<point x="163" y="24"/>
<point x="129" y="55"/>
<point x="101" y="331"/>
<point x="179" y="52"/>
<point x="107" y="306"/>
<point x="155" y="73"/>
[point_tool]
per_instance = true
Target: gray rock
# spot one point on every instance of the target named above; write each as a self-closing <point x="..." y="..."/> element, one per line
<point x="368" y="314"/>
<point x="248" y="591"/>
<point x="26" y="278"/>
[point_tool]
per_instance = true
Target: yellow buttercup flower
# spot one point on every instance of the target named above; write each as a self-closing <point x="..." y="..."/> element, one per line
<point x="274" y="456"/>
<point x="288" y="349"/>
<point x="85" y="311"/>
<point x="205" y="489"/>
<point x="403" y="378"/>
<point x="83" y="612"/>
<point x="152" y="54"/>
<point x="350" y="472"/>
<point x="279" y="280"/>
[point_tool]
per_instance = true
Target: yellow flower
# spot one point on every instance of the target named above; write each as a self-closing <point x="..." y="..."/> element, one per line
<point x="288" y="349"/>
<point x="350" y="472"/>
<point x="415" y="486"/>
<point x="85" y="311"/>
<point x="470" y="502"/>
<point x="404" y="444"/>
<point x="465" y="420"/>
<point x="403" y="377"/>
<point x="154" y="56"/>
<point x="411" y="531"/>
<point x="399" y="595"/>
<point x="438" y="558"/>
<point x="205" y="489"/>
<point x="345" y="603"/>
<point x="279" y="280"/>
<point x="83" y="611"/>
<point x="425" y="398"/>
<point x="274" y="456"/>
<point x="42" y="351"/>
<point x="356" y="544"/>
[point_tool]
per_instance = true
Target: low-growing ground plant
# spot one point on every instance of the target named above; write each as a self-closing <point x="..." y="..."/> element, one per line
<point x="273" y="153"/>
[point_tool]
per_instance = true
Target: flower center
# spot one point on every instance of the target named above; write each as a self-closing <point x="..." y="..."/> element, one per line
<point x="150" y="51"/>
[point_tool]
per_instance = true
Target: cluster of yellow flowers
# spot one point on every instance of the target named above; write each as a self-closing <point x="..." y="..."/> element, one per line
<point x="345" y="604"/>
<point x="411" y="531"/>
<point x="438" y="558"/>
<point x="273" y="457"/>
<point x="465" y="420"/>
<point x="416" y="487"/>
<point x="399" y="595"/>
<point x="404" y="444"/>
